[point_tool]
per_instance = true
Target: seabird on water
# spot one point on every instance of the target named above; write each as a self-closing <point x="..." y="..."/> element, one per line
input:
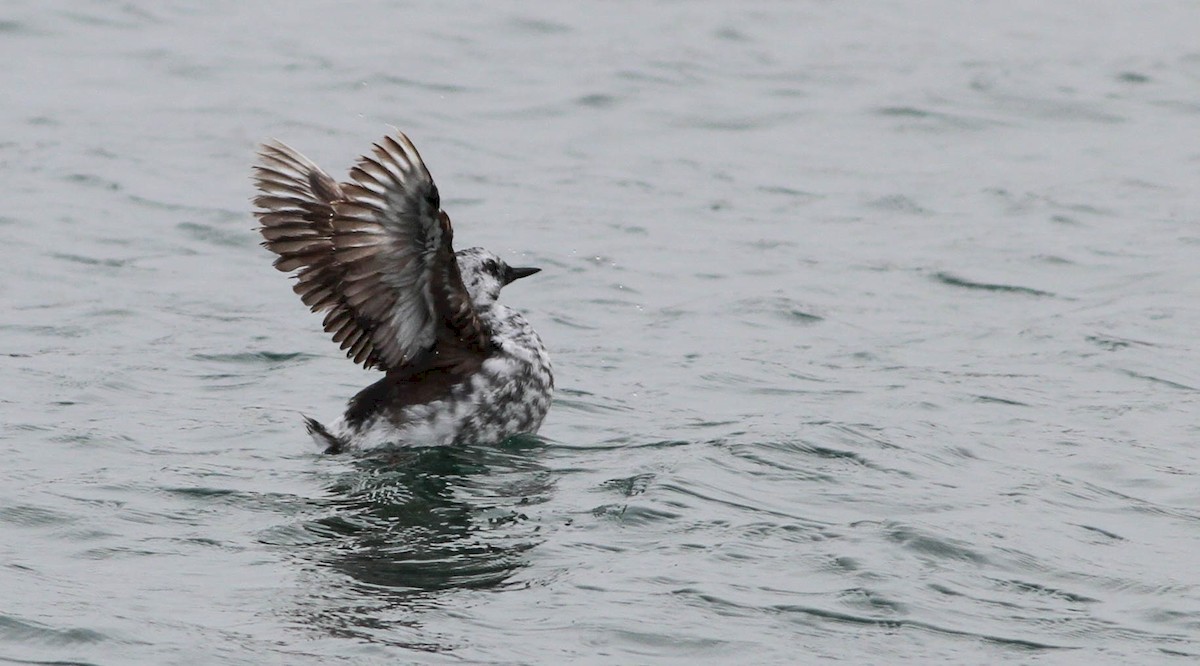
<point x="375" y="254"/>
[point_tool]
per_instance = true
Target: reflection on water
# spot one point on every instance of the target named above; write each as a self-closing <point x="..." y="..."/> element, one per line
<point x="400" y="527"/>
<point x="875" y="326"/>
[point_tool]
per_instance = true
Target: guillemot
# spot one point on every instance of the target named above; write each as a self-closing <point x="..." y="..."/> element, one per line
<point x="375" y="254"/>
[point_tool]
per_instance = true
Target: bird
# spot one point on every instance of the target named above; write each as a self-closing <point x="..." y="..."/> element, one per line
<point x="375" y="254"/>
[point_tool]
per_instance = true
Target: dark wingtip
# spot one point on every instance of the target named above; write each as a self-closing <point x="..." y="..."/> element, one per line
<point x="333" y="444"/>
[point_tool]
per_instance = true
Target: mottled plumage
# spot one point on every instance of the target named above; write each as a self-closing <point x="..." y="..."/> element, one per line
<point x="375" y="254"/>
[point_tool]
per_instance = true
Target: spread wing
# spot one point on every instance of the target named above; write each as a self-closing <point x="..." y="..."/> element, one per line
<point x="375" y="254"/>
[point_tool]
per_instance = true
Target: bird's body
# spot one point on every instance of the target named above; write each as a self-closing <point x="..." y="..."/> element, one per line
<point x="376" y="255"/>
<point x="508" y="394"/>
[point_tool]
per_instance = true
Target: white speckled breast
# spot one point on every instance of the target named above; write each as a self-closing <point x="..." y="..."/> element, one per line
<point x="510" y="395"/>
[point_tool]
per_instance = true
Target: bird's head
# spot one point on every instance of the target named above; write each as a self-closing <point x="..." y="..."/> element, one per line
<point x="484" y="274"/>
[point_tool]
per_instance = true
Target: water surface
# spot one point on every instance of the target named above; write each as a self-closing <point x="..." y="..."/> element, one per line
<point x="874" y="328"/>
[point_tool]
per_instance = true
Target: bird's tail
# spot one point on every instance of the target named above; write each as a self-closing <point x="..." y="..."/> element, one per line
<point x="321" y="435"/>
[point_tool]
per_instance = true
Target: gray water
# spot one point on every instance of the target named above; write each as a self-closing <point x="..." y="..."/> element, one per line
<point x="874" y="328"/>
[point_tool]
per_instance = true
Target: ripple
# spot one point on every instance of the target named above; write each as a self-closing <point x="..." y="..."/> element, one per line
<point x="214" y="235"/>
<point x="630" y="486"/>
<point x="780" y="436"/>
<point x="898" y="623"/>
<point x="428" y="520"/>
<point x="14" y="629"/>
<point x="898" y="203"/>
<point x="33" y="516"/>
<point x="91" y="261"/>
<point x="1160" y="380"/>
<point x="956" y="281"/>
<point x="597" y="101"/>
<point x="256" y="357"/>
<point x="937" y="120"/>
<point x="916" y="540"/>
<point x="1133" y="77"/>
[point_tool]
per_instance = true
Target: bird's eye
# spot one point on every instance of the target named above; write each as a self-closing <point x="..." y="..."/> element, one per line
<point x="492" y="267"/>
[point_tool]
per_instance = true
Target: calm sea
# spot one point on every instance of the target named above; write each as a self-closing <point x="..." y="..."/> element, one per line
<point x="874" y="326"/>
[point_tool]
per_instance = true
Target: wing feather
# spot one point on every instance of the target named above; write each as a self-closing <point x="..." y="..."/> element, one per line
<point x="374" y="254"/>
